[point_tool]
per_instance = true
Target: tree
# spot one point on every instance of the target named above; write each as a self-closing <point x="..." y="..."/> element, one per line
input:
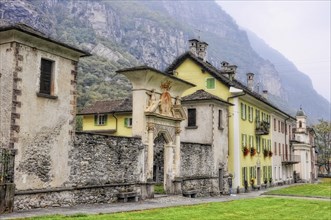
<point x="323" y="142"/>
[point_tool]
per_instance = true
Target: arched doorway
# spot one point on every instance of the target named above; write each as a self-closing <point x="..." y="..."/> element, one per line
<point x="158" y="159"/>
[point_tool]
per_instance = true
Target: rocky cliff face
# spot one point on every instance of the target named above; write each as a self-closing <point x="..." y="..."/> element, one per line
<point x="152" y="33"/>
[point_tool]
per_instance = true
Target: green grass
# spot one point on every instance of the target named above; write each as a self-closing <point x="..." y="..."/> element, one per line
<point x="322" y="189"/>
<point x="159" y="189"/>
<point x="257" y="208"/>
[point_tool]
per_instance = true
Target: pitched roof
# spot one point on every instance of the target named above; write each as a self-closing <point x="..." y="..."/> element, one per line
<point x="108" y="106"/>
<point x="219" y="75"/>
<point x="7" y="26"/>
<point x="203" y="95"/>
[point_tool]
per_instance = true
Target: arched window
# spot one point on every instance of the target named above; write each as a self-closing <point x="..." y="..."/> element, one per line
<point x="300" y="124"/>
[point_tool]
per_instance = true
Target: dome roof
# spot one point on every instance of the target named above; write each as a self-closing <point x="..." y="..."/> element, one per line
<point x="300" y="112"/>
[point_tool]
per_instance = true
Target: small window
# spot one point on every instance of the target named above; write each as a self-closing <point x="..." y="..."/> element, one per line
<point x="250" y="113"/>
<point x="257" y="115"/>
<point x="275" y="125"/>
<point x="191" y="114"/>
<point x="220" y="121"/>
<point x="210" y="83"/>
<point x="244" y="140"/>
<point x="243" y="111"/>
<point x="128" y="122"/>
<point x="46" y="84"/>
<point x="258" y="145"/>
<point x="100" y="119"/>
<point x="275" y="148"/>
<point x="300" y="124"/>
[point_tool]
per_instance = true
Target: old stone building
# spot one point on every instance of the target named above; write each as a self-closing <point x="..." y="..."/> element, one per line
<point x="38" y="105"/>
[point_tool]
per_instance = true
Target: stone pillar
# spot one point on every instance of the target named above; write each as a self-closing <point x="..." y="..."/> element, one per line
<point x="150" y="151"/>
<point x="168" y="168"/>
<point x="177" y="152"/>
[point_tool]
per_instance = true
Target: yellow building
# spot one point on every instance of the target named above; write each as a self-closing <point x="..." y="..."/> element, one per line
<point x="250" y="153"/>
<point x="108" y="117"/>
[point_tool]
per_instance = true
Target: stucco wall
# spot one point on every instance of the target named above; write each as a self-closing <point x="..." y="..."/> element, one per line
<point x="45" y="125"/>
<point x="6" y="91"/>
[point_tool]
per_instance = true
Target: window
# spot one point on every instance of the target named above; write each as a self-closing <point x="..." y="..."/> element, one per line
<point x="300" y="124"/>
<point x="220" y="121"/>
<point x="282" y="127"/>
<point x="191" y="112"/>
<point x="279" y="150"/>
<point x="100" y="119"/>
<point x="210" y="83"/>
<point x="250" y="113"/>
<point x="128" y="122"/>
<point x="278" y="126"/>
<point x="243" y="111"/>
<point x="258" y="140"/>
<point x="275" y="148"/>
<point x="275" y="126"/>
<point x="244" y="175"/>
<point x="244" y="140"/>
<point x="251" y="141"/>
<point x="263" y="144"/>
<point x="257" y="115"/>
<point x="269" y="144"/>
<point x="46" y="70"/>
<point x="265" y="174"/>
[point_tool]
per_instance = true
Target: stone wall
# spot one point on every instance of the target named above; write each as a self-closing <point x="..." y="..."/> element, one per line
<point x="98" y="159"/>
<point x="197" y="167"/>
<point x="100" y="167"/>
<point x="70" y="196"/>
<point x="196" y="160"/>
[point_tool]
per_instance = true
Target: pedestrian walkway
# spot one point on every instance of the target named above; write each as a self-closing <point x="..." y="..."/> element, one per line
<point x="157" y="202"/>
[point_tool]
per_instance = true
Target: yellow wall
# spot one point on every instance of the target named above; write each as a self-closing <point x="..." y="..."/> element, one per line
<point x="122" y="130"/>
<point x="248" y="128"/>
<point x="191" y="72"/>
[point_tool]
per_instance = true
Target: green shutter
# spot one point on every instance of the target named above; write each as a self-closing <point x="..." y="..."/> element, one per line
<point x="126" y="122"/>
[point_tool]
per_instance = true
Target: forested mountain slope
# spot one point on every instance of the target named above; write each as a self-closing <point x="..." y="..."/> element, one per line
<point x="127" y="33"/>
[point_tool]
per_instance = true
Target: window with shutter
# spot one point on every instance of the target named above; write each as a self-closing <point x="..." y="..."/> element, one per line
<point x="46" y="68"/>
<point x="191" y="115"/>
<point x="210" y="83"/>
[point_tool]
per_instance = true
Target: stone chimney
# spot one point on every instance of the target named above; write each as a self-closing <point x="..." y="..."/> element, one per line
<point x="193" y="45"/>
<point x="265" y="94"/>
<point x="228" y="70"/>
<point x="250" y="81"/>
<point x="202" y="50"/>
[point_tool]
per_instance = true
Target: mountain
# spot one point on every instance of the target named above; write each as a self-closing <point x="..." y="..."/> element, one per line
<point x="129" y="33"/>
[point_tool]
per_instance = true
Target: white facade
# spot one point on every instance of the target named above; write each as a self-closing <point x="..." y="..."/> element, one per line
<point x="283" y="158"/>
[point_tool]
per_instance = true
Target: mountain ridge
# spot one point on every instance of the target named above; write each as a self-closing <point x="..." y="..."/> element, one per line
<point x="125" y="34"/>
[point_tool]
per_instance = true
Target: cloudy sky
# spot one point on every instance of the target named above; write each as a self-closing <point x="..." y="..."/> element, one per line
<point x="300" y="30"/>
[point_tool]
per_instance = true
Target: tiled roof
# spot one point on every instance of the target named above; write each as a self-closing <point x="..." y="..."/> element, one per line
<point x="109" y="106"/>
<point x="203" y="95"/>
<point x="219" y="75"/>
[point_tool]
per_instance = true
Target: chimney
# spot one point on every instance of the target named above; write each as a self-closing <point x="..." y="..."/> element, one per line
<point x="250" y="81"/>
<point x="202" y="50"/>
<point x="265" y="94"/>
<point x="193" y="44"/>
<point x="228" y="70"/>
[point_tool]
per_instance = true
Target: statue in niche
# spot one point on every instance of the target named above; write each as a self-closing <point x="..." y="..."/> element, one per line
<point x="166" y="103"/>
<point x="153" y="103"/>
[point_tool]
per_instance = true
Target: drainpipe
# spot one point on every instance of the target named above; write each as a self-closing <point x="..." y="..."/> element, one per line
<point x="116" y="121"/>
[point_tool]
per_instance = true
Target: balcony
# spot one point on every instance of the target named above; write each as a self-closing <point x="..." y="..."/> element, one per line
<point x="262" y="128"/>
<point x="290" y="159"/>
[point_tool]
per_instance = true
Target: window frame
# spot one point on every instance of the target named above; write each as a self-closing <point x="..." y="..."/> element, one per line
<point x="192" y="118"/>
<point x="100" y="119"/>
<point x="46" y="79"/>
<point x="212" y="81"/>
<point x="128" y="122"/>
